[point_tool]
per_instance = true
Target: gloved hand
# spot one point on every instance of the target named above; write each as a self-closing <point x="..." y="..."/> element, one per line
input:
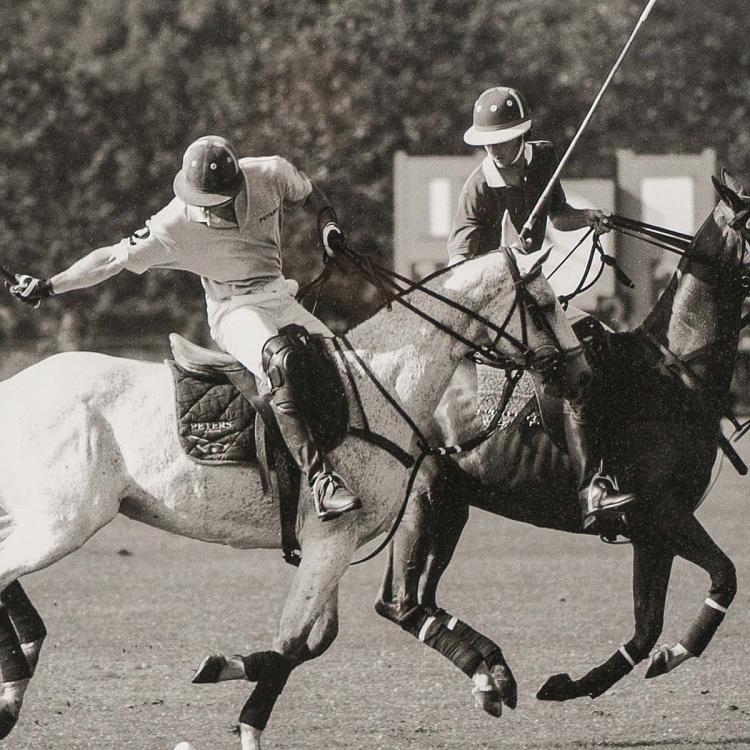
<point x="333" y="238"/>
<point x="31" y="290"/>
<point x="597" y="220"/>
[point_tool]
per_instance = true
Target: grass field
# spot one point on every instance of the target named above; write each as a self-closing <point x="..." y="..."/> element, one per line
<point x="133" y="612"/>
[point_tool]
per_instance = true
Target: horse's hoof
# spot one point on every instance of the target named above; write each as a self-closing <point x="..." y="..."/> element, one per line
<point x="506" y="684"/>
<point x="8" y="719"/>
<point x="210" y="669"/>
<point x="659" y="663"/>
<point x="559" y="687"/>
<point x="489" y="701"/>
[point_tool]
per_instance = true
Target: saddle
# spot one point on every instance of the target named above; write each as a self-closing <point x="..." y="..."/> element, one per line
<point x="217" y="403"/>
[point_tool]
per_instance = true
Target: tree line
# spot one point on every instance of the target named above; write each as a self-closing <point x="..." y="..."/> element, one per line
<point x="100" y="98"/>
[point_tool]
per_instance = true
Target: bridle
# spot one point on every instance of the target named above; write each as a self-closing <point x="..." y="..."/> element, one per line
<point x="395" y="288"/>
<point x="682" y="244"/>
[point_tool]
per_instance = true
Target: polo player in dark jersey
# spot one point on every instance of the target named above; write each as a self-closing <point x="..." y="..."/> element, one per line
<point x="511" y="178"/>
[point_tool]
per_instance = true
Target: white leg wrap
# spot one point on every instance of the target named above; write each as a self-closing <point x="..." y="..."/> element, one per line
<point x="423" y="632"/>
<point x="628" y="657"/>
<point x="452" y="622"/>
<point x="711" y="603"/>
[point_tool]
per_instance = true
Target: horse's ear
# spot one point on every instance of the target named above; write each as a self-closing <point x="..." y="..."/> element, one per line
<point x="728" y="195"/>
<point x="528" y="263"/>
<point x="732" y="183"/>
<point x="509" y="237"/>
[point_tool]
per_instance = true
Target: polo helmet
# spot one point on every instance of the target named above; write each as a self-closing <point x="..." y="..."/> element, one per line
<point x="500" y="114"/>
<point x="210" y="173"/>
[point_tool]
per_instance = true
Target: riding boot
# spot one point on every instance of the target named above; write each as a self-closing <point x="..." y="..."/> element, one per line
<point x="598" y="493"/>
<point x="281" y="360"/>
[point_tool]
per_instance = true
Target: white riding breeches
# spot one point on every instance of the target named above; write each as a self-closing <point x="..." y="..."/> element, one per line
<point x="243" y="330"/>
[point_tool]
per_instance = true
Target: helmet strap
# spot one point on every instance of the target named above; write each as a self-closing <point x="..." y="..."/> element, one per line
<point x="519" y="152"/>
<point x="514" y="160"/>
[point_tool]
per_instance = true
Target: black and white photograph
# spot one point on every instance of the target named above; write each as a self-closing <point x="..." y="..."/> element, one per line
<point x="376" y="374"/>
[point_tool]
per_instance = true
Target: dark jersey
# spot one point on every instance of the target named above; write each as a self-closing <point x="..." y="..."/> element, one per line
<point x="485" y="197"/>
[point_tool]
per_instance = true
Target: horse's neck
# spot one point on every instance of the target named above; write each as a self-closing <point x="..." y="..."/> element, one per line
<point x="409" y="358"/>
<point x="694" y="315"/>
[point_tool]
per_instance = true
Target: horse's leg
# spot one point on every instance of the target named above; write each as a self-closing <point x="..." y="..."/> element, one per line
<point x="325" y="629"/>
<point x="310" y="616"/>
<point x="322" y="635"/>
<point x="691" y="541"/>
<point x="18" y="555"/>
<point x="27" y="622"/>
<point x="29" y="546"/>
<point x="652" y="566"/>
<point x="417" y="557"/>
<point x="15" y="671"/>
<point x="220" y="668"/>
<point x="449" y="519"/>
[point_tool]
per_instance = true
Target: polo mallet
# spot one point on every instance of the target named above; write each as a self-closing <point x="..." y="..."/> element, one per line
<point x="527" y="227"/>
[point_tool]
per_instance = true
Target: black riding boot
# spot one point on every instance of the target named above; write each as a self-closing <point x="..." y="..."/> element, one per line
<point x="598" y="494"/>
<point x="281" y="361"/>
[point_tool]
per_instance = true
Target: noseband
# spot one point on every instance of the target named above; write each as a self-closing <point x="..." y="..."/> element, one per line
<point x="549" y="359"/>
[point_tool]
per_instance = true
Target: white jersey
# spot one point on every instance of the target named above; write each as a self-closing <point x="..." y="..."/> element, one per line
<point x="233" y="260"/>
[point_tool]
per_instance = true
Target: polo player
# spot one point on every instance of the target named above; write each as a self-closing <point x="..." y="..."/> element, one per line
<point x="225" y="225"/>
<point x="512" y="177"/>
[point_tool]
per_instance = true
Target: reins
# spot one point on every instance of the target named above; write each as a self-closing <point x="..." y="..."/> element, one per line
<point x="425" y="450"/>
<point x="606" y="260"/>
<point x="400" y="287"/>
<point x="393" y="287"/>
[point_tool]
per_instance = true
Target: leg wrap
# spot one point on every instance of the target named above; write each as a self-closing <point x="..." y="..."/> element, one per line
<point x="490" y="651"/>
<point x="704" y="627"/>
<point x="601" y="678"/>
<point x="27" y="622"/>
<point x="13" y="664"/>
<point x="270" y="670"/>
<point x="433" y="631"/>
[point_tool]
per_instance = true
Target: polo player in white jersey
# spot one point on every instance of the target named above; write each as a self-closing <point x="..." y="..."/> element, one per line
<point x="225" y="224"/>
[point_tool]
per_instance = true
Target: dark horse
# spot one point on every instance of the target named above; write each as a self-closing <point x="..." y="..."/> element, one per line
<point x="663" y="389"/>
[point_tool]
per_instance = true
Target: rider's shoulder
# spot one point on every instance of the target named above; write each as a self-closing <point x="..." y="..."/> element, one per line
<point x="543" y="149"/>
<point x="476" y="179"/>
<point x="264" y="165"/>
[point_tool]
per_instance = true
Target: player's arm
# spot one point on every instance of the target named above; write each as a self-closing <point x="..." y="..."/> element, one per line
<point x="568" y="219"/>
<point x="331" y="234"/>
<point x="97" y="266"/>
<point x="144" y="249"/>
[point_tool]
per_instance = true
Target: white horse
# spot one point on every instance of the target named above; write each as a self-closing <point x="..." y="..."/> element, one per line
<point x="86" y="436"/>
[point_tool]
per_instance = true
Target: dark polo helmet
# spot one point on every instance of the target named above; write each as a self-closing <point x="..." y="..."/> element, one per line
<point x="210" y="173"/>
<point x="500" y="114"/>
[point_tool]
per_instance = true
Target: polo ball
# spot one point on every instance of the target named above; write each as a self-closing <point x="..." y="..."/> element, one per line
<point x="184" y="746"/>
